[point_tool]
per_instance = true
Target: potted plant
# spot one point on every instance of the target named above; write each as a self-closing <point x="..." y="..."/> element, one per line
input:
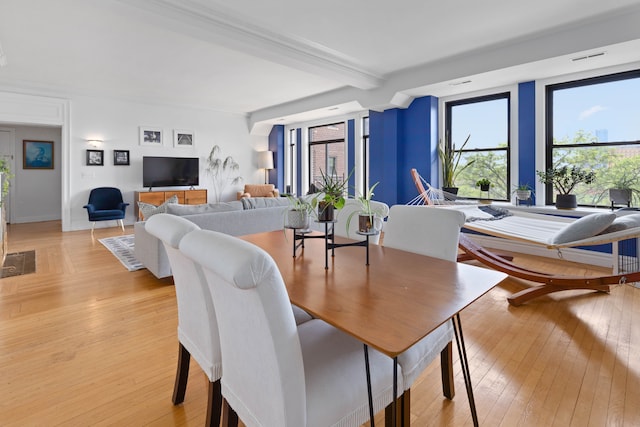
<point x="564" y="179"/>
<point x="298" y="213"/>
<point x="333" y="189"/>
<point x="451" y="168"/>
<point x="368" y="216"/>
<point x="523" y="192"/>
<point x="484" y="184"/>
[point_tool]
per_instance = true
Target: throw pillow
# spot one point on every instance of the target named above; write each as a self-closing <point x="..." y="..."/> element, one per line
<point x="583" y="228"/>
<point x="622" y="223"/>
<point x="148" y="210"/>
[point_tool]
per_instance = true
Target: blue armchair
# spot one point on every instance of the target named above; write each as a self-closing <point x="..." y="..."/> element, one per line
<point x="106" y="204"/>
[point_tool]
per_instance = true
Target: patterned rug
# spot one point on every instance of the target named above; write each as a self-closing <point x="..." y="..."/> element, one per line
<point x="19" y="263"/>
<point x="122" y="248"/>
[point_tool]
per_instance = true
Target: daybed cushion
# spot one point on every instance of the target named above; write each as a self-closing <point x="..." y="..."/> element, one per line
<point x="583" y="228"/>
<point x="180" y="210"/>
<point x="623" y="222"/>
<point x="148" y="210"/>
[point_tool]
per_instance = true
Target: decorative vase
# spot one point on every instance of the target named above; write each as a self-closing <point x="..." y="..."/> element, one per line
<point x="297" y="219"/>
<point x="325" y="212"/>
<point x="566" y="201"/>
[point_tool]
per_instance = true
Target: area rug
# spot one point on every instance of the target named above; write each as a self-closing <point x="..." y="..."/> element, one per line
<point x="19" y="263"/>
<point x="122" y="248"/>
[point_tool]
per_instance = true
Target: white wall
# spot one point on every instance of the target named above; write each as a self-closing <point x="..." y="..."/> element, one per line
<point x="117" y="123"/>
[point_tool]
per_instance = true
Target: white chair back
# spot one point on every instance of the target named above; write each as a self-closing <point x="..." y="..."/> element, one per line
<point x="197" y="324"/>
<point x="424" y="230"/>
<point x="264" y="380"/>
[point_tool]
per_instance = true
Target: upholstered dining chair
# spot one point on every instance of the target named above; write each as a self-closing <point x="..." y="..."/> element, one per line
<point x="197" y="324"/>
<point x="106" y="204"/>
<point x="274" y="372"/>
<point x="433" y="232"/>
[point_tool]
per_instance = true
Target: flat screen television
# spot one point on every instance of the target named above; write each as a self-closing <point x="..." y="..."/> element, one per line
<point x="170" y="171"/>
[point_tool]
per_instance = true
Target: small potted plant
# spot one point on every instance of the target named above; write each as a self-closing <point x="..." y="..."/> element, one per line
<point x="298" y="213"/>
<point x="451" y="168"/>
<point x="333" y="190"/>
<point x="564" y="179"/>
<point x="484" y="184"/>
<point x="523" y="192"/>
<point x="368" y="218"/>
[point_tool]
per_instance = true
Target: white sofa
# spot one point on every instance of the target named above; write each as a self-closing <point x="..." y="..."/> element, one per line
<point x="236" y="218"/>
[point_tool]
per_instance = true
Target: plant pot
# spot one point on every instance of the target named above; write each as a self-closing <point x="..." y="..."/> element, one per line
<point x="368" y="223"/>
<point x="523" y="194"/>
<point x="297" y="219"/>
<point x="485" y="187"/>
<point x="620" y="196"/>
<point x="566" y="201"/>
<point x="450" y="193"/>
<point x="325" y="212"/>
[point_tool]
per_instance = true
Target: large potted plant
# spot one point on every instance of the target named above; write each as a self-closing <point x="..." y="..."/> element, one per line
<point x="333" y="190"/>
<point x="450" y="159"/>
<point x="564" y="179"/>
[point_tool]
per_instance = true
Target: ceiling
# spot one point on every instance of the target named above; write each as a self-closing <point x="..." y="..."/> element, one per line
<point x="283" y="61"/>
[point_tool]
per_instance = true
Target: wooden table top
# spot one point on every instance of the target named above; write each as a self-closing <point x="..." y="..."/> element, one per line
<point x="391" y="304"/>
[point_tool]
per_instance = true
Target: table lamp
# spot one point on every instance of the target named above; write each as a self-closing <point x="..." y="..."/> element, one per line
<point x="265" y="161"/>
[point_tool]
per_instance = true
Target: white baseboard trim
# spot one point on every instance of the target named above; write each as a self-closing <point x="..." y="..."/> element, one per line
<point x="569" y="254"/>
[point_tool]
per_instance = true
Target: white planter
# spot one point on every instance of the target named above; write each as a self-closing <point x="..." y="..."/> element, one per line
<point x="297" y="219"/>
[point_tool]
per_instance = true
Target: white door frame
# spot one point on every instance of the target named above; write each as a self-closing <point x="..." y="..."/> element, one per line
<point x="12" y="166"/>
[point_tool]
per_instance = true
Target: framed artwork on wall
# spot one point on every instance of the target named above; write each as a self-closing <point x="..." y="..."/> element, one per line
<point x="37" y="154"/>
<point x="121" y="157"/>
<point x="150" y="136"/>
<point x="183" y="138"/>
<point x="95" y="157"/>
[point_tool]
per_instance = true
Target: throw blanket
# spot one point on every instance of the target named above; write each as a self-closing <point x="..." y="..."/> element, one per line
<point x="483" y="213"/>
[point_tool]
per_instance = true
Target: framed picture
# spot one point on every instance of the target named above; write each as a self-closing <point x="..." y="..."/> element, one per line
<point x="95" y="157"/>
<point x="150" y="136"/>
<point x="183" y="138"/>
<point x="37" y="154"/>
<point x="121" y="157"/>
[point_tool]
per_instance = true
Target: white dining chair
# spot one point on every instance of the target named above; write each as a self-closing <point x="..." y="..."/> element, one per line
<point x="274" y="372"/>
<point x="197" y="324"/>
<point x="433" y="232"/>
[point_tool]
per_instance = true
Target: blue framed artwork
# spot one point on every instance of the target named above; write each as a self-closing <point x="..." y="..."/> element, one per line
<point x="37" y="154"/>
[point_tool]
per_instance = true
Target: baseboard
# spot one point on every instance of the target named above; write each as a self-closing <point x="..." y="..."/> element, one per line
<point x="600" y="259"/>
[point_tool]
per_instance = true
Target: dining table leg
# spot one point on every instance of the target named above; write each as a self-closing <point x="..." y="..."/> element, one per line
<point x="464" y="363"/>
<point x="369" y="394"/>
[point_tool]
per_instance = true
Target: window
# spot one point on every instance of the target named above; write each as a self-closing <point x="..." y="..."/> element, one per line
<point x="593" y="123"/>
<point x="485" y="120"/>
<point x="290" y="162"/>
<point x="327" y="151"/>
<point x="365" y="152"/>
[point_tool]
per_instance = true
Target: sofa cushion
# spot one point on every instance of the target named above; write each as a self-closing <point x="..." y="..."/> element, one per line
<point x="178" y="209"/>
<point x="583" y="228"/>
<point x="263" y="202"/>
<point x="148" y="210"/>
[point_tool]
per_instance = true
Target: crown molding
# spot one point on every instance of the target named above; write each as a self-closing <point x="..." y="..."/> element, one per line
<point x="215" y="25"/>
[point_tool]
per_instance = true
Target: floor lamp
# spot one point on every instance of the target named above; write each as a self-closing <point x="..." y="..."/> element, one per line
<point x="265" y="161"/>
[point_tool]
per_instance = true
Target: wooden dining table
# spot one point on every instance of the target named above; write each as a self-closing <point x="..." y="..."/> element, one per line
<point x="390" y="304"/>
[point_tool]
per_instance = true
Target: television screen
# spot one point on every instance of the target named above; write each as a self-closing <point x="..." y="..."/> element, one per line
<point x="170" y="171"/>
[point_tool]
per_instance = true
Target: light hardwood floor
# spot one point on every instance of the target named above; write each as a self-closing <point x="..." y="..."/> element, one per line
<point x="85" y="342"/>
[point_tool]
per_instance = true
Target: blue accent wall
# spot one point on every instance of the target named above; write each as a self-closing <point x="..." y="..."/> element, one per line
<point x="527" y="134"/>
<point x="276" y="144"/>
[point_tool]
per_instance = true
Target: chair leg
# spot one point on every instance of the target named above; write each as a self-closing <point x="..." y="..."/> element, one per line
<point x="403" y="416"/>
<point x="229" y="416"/>
<point x="121" y="224"/>
<point x="446" y="366"/>
<point x="182" y="374"/>
<point x="214" y="404"/>
<point x="93" y="224"/>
